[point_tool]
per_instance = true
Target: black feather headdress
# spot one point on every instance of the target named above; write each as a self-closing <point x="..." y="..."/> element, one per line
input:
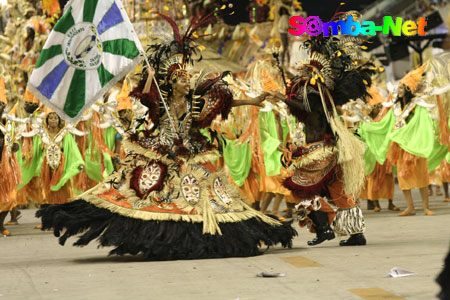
<point x="165" y="58"/>
<point x="334" y="69"/>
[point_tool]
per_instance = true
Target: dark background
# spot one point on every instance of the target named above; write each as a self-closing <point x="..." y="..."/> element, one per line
<point x="321" y="8"/>
<point x="326" y="8"/>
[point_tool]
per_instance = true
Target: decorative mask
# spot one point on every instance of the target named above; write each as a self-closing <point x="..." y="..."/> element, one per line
<point x="221" y="192"/>
<point x="191" y="189"/>
<point x="149" y="178"/>
<point x="53" y="156"/>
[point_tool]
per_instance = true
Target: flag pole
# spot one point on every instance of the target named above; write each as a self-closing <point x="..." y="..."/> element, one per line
<point x="160" y="95"/>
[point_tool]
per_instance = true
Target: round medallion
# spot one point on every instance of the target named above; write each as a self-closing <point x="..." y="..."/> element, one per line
<point x="82" y="46"/>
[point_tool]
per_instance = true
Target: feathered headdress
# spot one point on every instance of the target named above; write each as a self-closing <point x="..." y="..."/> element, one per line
<point x="48" y="110"/>
<point x="171" y="59"/>
<point x="334" y="70"/>
<point x="375" y="96"/>
<point x="413" y="78"/>
<point x="29" y="97"/>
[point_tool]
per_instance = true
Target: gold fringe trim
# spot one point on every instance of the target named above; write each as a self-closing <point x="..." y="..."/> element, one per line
<point x="350" y="157"/>
<point x="203" y="208"/>
<point x="201" y="158"/>
<point x="256" y="214"/>
<point x="209" y="222"/>
<point x="230" y="217"/>
<point x="140" y="214"/>
<point x="319" y="154"/>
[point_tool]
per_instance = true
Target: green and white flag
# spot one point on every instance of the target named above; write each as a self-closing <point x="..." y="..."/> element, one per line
<point x="91" y="47"/>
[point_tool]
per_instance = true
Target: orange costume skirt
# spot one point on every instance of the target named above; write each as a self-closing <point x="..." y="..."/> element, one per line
<point x="444" y="169"/>
<point x="380" y="183"/>
<point x="9" y="180"/>
<point x="412" y="171"/>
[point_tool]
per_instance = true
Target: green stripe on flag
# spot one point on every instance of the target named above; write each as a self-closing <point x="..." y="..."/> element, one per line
<point x="47" y="54"/>
<point x="65" y="22"/>
<point x="104" y="75"/>
<point x="89" y="10"/>
<point x="121" y="47"/>
<point x="76" y="94"/>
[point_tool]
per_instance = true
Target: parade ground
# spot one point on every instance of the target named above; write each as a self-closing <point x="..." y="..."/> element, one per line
<point x="34" y="266"/>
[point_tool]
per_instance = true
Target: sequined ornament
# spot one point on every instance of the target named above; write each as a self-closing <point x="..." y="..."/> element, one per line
<point x="53" y="154"/>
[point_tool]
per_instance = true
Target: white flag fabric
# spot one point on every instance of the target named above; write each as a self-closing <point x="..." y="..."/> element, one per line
<point x="91" y="47"/>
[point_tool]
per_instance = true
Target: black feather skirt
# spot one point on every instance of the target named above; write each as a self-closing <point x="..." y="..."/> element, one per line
<point x="160" y="240"/>
<point x="166" y="209"/>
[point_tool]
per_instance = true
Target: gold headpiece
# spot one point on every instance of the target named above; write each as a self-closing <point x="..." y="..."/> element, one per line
<point x="174" y="67"/>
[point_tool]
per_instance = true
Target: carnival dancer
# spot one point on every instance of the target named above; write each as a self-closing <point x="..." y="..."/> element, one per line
<point x="235" y="141"/>
<point x="331" y="164"/>
<point x="380" y="182"/>
<point x="14" y="128"/>
<point x="56" y="157"/>
<point x="121" y="115"/>
<point x="10" y="175"/>
<point x="92" y="172"/>
<point x="31" y="186"/>
<point x="414" y="148"/>
<point x="168" y="201"/>
<point x="271" y="134"/>
<point x="437" y="75"/>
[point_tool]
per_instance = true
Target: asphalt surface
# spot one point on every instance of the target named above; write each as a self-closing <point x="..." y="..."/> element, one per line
<point x="34" y="266"/>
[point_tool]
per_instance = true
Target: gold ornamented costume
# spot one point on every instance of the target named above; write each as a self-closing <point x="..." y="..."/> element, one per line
<point x="168" y="201"/>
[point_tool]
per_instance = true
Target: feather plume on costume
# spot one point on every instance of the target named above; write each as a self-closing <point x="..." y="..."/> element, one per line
<point x="375" y="96"/>
<point x="412" y="79"/>
<point x="334" y="74"/>
<point x="350" y="157"/>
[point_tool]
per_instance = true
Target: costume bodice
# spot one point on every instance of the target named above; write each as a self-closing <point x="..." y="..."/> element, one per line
<point x="183" y="126"/>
